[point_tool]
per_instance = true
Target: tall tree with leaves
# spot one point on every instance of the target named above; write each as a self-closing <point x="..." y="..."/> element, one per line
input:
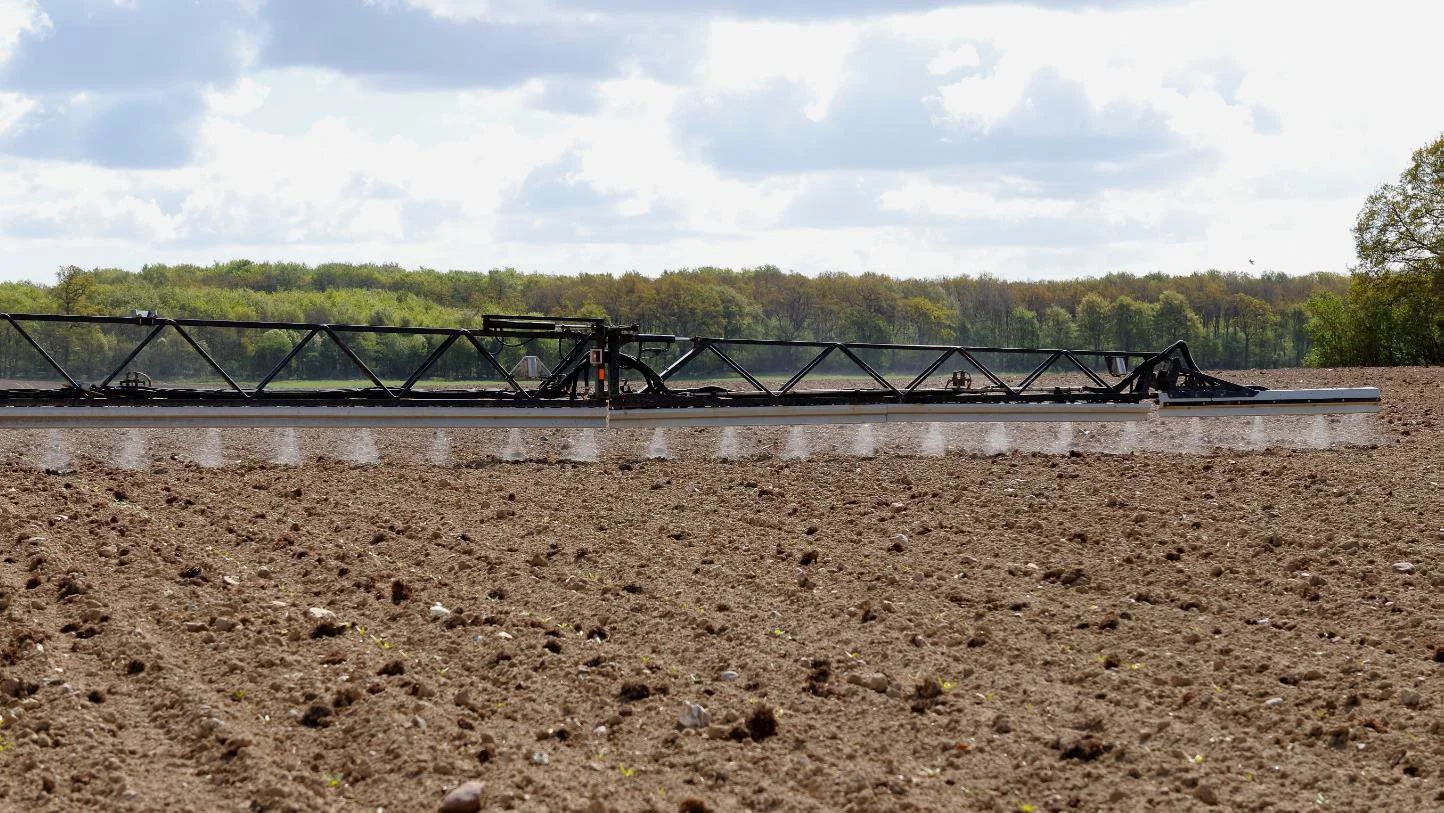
<point x="1254" y="319"/>
<point x="1399" y="236"/>
<point x="1057" y="329"/>
<point x="75" y="290"/>
<point x="1132" y="323"/>
<point x="1093" y="320"/>
<point x="1174" y="319"/>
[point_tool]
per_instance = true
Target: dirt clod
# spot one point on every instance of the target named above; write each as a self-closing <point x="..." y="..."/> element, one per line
<point x="317" y="716"/>
<point x="633" y="691"/>
<point x="327" y="629"/>
<point x="761" y="723"/>
<point x="1086" y="749"/>
<point x="400" y="592"/>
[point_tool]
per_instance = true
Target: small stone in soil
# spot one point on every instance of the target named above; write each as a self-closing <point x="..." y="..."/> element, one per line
<point x="694" y="716"/>
<point x="464" y="798"/>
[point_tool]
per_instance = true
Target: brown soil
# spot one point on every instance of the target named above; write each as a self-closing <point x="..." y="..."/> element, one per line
<point x="1026" y="631"/>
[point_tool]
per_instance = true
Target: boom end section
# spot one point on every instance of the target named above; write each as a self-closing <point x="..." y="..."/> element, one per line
<point x="1323" y="401"/>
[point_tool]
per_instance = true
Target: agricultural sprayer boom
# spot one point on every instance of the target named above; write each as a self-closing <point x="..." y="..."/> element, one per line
<point x="600" y="375"/>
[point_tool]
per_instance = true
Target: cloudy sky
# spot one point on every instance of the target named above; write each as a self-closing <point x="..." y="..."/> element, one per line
<point x="914" y="137"/>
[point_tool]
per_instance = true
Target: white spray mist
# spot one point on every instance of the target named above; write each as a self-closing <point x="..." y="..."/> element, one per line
<point x="440" y="452"/>
<point x="584" y="447"/>
<point x="998" y="441"/>
<point x="657" y="447"/>
<point x="131" y="454"/>
<point x="797" y="445"/>
<point x="288" y="448"/>
<point x="211" y="454"/>
<point x="515" y="448"/>
<point x="933" y="444"/>
<point x="864" y="441"/>
<point x="729" y="446"/>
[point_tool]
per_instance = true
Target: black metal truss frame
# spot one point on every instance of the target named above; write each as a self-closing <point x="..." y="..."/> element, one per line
<point x="849" y="350"/>
<point x="592" y="369"/>
<point x="581" y="333"/>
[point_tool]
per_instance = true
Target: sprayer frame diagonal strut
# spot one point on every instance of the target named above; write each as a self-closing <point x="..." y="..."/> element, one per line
<point x="591" y="384"/>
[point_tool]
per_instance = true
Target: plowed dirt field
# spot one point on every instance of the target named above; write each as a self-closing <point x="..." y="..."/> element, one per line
<point x="1171" y="620"/>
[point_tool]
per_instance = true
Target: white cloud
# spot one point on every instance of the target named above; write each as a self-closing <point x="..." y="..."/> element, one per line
<point x="246" y="96"/>
<point x="1024" y="140"/>
<point x="19" y="17"/>
<point x="13" y="108"/>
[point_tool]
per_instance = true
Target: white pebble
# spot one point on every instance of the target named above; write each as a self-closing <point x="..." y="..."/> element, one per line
<point x="438" y="611"/>
<point x="694" y="716"/>
<point x="320" y="614"/>
<point x="1404" y="567"/>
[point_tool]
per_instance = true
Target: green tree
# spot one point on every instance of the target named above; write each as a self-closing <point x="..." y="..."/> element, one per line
<point x="1254" y="319"/>
<point x="1174" y="319"/>
<point x="1294" y="327"/>
<point x="929" y="322"/>
<point x="75" y="290"/>
<point x="1329" y="326"/>
<point x="1057" y="329"/>
<point x="1399" y="236"/>
<point x="1094" y="320"/>
<point x="1023" y="328"/>
<point x="1132" y="323"/>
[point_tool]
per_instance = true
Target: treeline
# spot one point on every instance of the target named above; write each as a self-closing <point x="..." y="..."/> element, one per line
<point x="1232" y="320"/>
